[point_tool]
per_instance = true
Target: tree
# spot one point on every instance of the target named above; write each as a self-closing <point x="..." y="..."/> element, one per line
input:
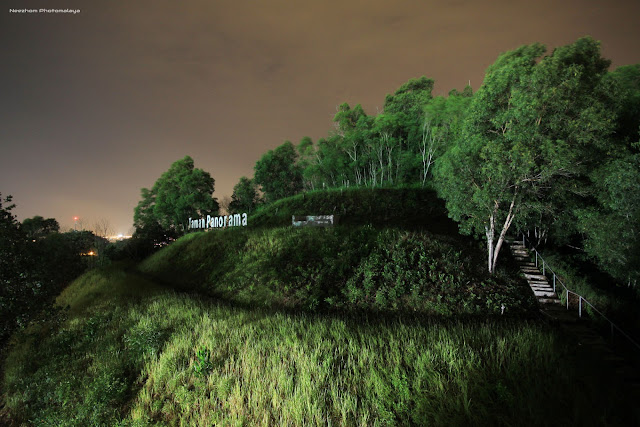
<point x="612" y="227"/>
<point x="626" y="81"/>
<point x="530" y="127"/>
<point x="405" y="108"/>
<point x="38" y="227"/>
<point x="441" y="124"/>
<point x="278" y="174"/>
<point x="21" y="287"/>
<point x="245" y="196"/>
<point x="102" y="229"/>
<point x="306" y="160"/>
<point x="180" y="193"/>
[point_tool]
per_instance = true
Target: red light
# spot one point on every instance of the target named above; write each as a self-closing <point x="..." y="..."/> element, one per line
<point x="75" y="218"/>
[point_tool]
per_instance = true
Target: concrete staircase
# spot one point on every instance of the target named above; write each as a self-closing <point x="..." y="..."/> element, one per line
<point x="549" y="302"/>
<point x="578" y="330"/>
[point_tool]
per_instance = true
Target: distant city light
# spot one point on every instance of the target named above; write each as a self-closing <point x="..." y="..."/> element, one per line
<point x="118" y="237"/>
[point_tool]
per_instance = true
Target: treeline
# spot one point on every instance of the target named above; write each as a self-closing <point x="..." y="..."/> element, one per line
<point x="395" y="147"/>
<point x="548" y="145"/>
<point x="36" y="262"/>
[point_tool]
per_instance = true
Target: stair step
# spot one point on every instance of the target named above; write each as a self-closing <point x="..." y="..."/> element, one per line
<point x="535" y="276"/>
<point x="544" y="284"/>
<point x="558" y="309"/>
<point x="549" y="301"/>
<point x="543" y="289"/>
<point x="544" y="294"/>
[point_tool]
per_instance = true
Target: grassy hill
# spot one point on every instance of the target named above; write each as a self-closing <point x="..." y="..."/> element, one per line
<point x="384" y="207"/>
<point x="404" y="255"/>
<point x="358" y="344"/>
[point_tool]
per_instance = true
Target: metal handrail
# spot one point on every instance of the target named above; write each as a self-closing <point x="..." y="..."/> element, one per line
<point x="580" y="297"/>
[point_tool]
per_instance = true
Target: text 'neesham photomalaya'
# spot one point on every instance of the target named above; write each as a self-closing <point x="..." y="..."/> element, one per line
<point x="74" y="11"/>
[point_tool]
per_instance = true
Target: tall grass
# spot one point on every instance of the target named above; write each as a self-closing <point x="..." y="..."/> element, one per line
<point x="174" y="359"/>
<point x="346" y="267"/>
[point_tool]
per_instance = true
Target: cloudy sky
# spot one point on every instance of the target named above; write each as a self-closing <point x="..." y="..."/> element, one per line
<point x="96" y="105"/>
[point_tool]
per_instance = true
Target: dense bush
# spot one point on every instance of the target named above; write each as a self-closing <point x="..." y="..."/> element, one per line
<point x="387" y="207"/>
<point x="33" y="270"/>
<point x="345" y="267"/>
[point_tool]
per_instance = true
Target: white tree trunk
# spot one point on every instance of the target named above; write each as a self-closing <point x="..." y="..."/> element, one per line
<point x="494" y="249"/>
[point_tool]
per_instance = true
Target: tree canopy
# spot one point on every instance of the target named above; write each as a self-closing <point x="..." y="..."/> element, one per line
<point x="532" y="126"/>
<point x="546" y="144"/>
<point x="245" y="196"/>
<point x="38" y="227"/>
<point x="181" y="192"/>
<point x="278" y="174"/>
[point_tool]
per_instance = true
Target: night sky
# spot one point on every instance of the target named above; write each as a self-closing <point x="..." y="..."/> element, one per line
<point x="94" y="106"/>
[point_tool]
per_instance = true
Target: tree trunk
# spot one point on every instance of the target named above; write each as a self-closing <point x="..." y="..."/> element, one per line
<point x="490" y="231"/>
<point x="495" y="250"/>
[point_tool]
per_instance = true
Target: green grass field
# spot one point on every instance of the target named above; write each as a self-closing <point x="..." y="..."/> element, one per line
<point x="175" y="359"/>
<point x="362" y="324"/>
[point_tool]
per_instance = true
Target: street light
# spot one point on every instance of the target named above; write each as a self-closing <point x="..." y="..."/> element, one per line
<point x="75" y="224"/>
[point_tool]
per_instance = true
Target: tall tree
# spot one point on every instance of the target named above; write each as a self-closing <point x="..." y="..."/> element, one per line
<point x="245" y="196"/>
<point x="38" y="227"/>
<point x="278" y="174"/>
<point x="612" y="227"/>
<point x="626" y="83"/>
<point x="181" y="192"/>
<point x="21" y="285"/>
<point x="530" y="126"/>
<point x="442" y="122"/>
<point x="406" y="105"/>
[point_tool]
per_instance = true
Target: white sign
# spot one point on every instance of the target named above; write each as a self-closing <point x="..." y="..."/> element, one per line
<point x="223" y="221"/>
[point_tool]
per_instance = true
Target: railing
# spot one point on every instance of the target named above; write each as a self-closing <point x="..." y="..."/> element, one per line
<point x="581" y="299"/>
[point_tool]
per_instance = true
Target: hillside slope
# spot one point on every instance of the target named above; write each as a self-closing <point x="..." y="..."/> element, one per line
<point x="136" y="354"/>
<point x="131" y="352"/>
<point x="411" y="260"/>
<point x="387" y="207"/>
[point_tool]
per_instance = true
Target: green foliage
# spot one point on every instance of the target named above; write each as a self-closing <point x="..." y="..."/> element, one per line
<point x="38" y="227"/>
<point x="531" y="127"/>
<point x="245" y="197"/>
<point x="18" y="281"/>
<point x="625" y="85"/>
<point x="277" y="173"/>
<point x="402" y="207"/>
<point x="371" y="151"/>
<point x="257" y="366"/>
<point x="180" y="193"/>
<point x="419" y="272"/>
<point x="441" y="125"/>
<point x="347" y="266"/>
<point x="83" y="370"/>
<point x="34" y="268"/>
<point x="203" y="366"/>
<point x="612" y="228"/>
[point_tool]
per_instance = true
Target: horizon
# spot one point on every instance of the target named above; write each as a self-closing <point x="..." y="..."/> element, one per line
<point x="98" y="104"/>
